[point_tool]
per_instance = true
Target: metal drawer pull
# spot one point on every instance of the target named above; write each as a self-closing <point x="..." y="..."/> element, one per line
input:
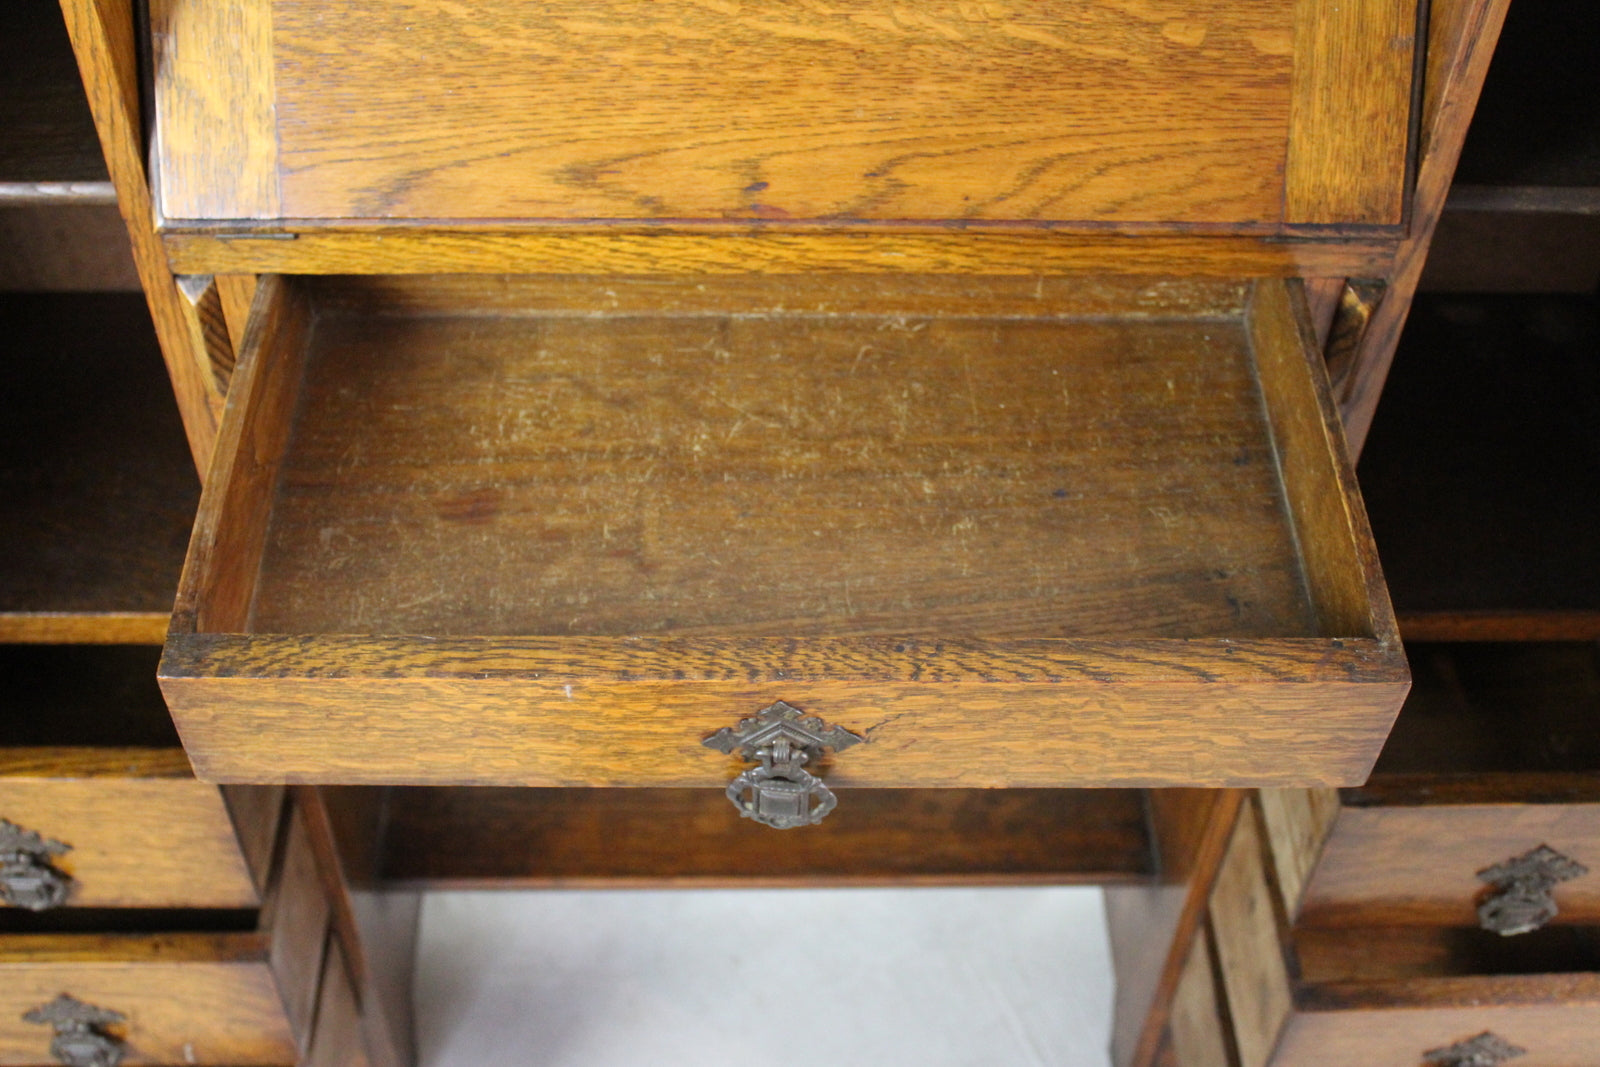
<point x="80" y="1039"/>
<point x="781" y="793"/>
<point x="27" y="877"/>
<point x="1485" y="1050"/>
<point x="1520" y="899"/>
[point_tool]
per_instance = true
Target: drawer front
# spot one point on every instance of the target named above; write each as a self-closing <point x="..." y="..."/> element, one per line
<point x="1559" y="1032"/>
<point x="1182" y="111"/>
<point x="1419" y="865"/>
<point x="185" y="999"/>
<point x="135" y="843"/>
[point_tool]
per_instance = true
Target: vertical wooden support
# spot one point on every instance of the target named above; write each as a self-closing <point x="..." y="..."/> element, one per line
<point x="236" y="291"/>
<point x="1461" y="40"/>
<point x="1244" y="917"/>
<point x="1322" y="294"/>
<point x="1358" y="302"/>
<point x="102" y="34"/>
<point x="209" y="341"/>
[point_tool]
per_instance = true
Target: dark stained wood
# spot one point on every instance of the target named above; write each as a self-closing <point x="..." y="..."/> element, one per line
<point x="466" y="837"/>
<point x="56" y="247"/>
<point x="1152" y="928"/>
<point x="1505" y="249"/>
<point x="1461" y="39"/>
<point x="84" y="696"/>
<point x="702" y="114"/>
<point x="296" y="916"/>
<point x="1350" y="117"/>
<point x="1482" y="485"/>
<point x="590" y="249"/>
<point x="103" y="39"/>
<point x="190" y="998"/>
<point x="47" y="135"/>
<point x="96" y="492"/>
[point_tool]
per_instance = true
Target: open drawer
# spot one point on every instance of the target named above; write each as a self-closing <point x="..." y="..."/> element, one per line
<point x="559" y="531"/>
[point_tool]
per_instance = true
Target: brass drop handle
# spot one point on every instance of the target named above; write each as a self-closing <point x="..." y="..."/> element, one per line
<point x="1485" y="1050"/>
<point x="80" y="1039"/>
<point x="780" y="792"/>
<point x="1520" y="897"/>
<point x="27" y="877"/>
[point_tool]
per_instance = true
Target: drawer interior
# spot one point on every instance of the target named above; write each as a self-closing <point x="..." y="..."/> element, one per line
<point x="867" y="480"/>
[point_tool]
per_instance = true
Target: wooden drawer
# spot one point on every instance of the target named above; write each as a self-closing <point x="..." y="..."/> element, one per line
<point x="95" y="771"/>
<point x="1491" y="759"/>
<point x="1253" y="117"/>
<point x="184" y="998"/>
<point x="558" y="531"/>
<point x="1386" y="997"/>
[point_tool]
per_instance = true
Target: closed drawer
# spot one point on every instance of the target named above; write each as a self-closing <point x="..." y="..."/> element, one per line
<point x="551" y="531"/>
<point x="104" y="809"/>
<point x="1253" y="117"/>
<point x="182" y="999"/>
<point x="1487" y="781"/>
<point x="1388" y="997"/>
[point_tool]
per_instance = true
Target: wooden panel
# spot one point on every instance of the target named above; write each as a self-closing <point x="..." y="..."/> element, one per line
<point x="950" y="249"/>
<point x="1255" y="977"/>
<point x="214" y="90"/>
<point x="1200" y="1024"/>
<point x="1461" y="38"/>
<point x="297" y="917"/>
<point x="96" y="492"/>
<point x="70" y="247"/>
<point x="1416" y="865"/>
<point x="1359" y="1025"/>
<point x="136" y="844"/>
<point x="189" y="999"/>
<point x="237" y="292"/>
<point x="1015" y="111"/>
<point x="1297" y="822"/>
<point x="208" y="334"/>
<point x="1350" y="118"/>
<point x="102" y="34"/>
<point x="1151" y="927"/>
<point x="694" y="836"/>
<point x="338" y="1041"/>
<point x="46" y="133"/>
<point x="257" y="812"/>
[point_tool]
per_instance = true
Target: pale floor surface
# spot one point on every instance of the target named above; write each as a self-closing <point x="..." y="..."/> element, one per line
<point x="820" y="978"/>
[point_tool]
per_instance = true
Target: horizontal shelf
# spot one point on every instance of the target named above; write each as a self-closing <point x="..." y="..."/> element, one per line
<point x="97" y="488"/>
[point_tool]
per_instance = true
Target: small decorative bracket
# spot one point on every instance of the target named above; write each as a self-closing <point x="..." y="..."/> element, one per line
<point x="27" y="877"/>
<point x="1485" y="1050"/>
<point x="1519" y="899"/>
<point x="781" y="793"/>
<point x="80" y="1039"/>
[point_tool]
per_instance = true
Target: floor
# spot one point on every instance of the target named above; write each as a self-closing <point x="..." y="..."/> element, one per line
<point x="703" y="978"/>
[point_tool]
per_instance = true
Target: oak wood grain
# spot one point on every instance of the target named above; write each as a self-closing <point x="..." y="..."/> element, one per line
<point x="297" y="916"/>
<point x="136" y="843"/>
<point x="188" y="998"/>
<point x="1350" y="116"/>
<point x="682" y="111"/>
<point x="102" y="33"/>
<point x="596" y="837"/>
<point x="1250" y="955"/>
<point x="1152" y="929"/>
<point x="214" y="88"/>
<point x="1297" y="822"/>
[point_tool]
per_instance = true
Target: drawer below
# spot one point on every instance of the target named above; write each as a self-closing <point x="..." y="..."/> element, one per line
<point x="131" y="842"/>
<point x="184" y="999"/>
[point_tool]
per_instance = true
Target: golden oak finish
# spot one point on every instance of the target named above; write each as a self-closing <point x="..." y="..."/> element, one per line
<point x="1177" y="112"/>
<point x="696" y="533"/>
<point x="136" y="843"/>
<point x="189" y="998"/>
<point x="597" y="249"/>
